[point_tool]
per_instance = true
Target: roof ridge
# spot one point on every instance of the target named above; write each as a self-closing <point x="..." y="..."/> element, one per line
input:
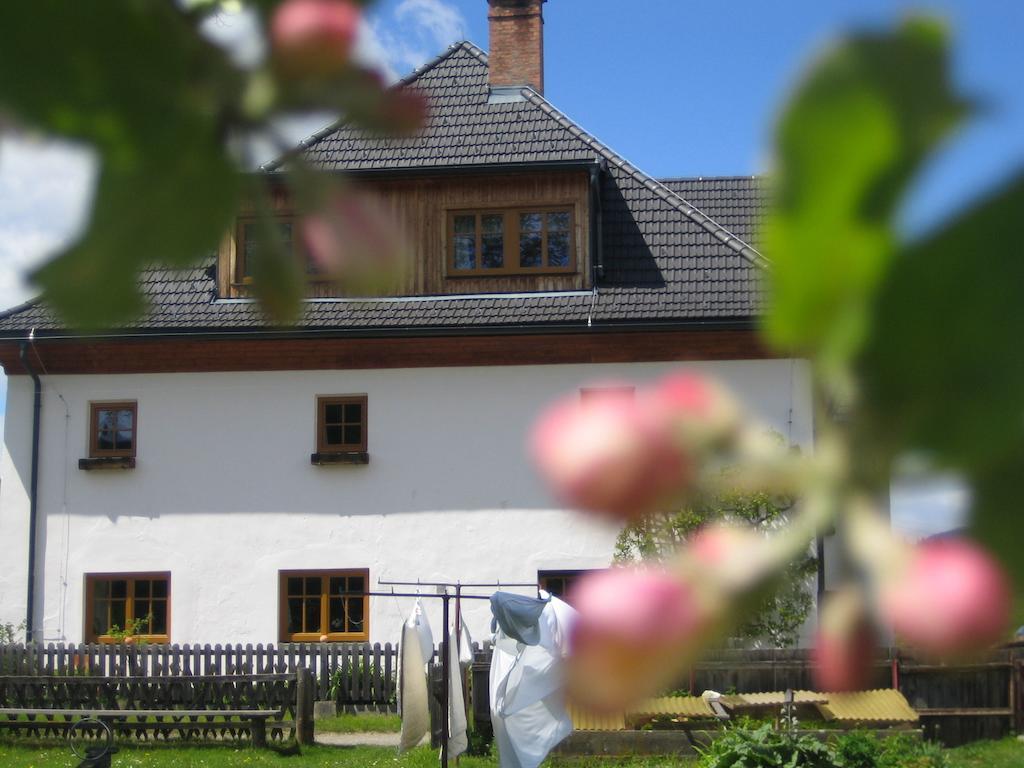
<point x="418" y="72"/>
<point x="727" y="177"/>
<point x="687" y="208"/>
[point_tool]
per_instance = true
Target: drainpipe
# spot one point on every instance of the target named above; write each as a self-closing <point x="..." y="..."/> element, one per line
<point x="596" y="223"/>
<point x="33" y="494"/>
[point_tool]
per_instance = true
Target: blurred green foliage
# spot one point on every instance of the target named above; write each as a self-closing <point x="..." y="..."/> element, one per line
<point x="778" y="613"/>
<point x="920" y="343"/>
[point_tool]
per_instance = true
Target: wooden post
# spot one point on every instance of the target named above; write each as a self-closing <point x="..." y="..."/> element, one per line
<point x="259" y="732"/>
<point x="304" y="706"/>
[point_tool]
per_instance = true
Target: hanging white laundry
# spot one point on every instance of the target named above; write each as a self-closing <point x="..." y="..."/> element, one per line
<point x="412" y="686"/>
<point x="458" y="740"/>
<point x="528" y="710"/>
<point x="465" y="644"/>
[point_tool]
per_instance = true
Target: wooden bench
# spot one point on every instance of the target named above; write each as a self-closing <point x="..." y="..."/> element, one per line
<point x="180" y="719"/>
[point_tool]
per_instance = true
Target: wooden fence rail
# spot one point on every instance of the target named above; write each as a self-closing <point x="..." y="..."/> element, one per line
<point x="365" y="675"/>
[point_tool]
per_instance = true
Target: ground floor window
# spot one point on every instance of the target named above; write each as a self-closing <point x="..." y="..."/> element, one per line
<point x="324" y="604"/>
<point x="123" y="605"/>
<point x="559" y="583"/>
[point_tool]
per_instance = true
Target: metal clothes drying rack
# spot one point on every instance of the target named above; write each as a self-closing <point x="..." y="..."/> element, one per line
<point x="445" y="597"/>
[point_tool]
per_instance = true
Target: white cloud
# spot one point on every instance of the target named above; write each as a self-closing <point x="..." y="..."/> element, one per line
<point x="45" y="191"/>
<point x="412" y="34"/>
<point x="924" y="506"/>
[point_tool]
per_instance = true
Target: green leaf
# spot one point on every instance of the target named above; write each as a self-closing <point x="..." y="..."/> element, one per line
<point x="134" y="80"/>
<point x="943" y="373"/>
<point x="846" y="147"/>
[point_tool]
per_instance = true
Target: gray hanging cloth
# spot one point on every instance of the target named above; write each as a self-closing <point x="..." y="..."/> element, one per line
<point x="517" y="616"/>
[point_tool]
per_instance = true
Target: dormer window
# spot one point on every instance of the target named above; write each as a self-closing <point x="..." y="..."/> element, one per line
<point x="250" y="238"/>
<point x="511" y="241"/>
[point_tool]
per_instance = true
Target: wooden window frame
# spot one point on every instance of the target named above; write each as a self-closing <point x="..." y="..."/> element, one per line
<point x="238" y="276"/>
<point x="325" y="575"/>
<point x="322" y="446"/>
<point x="511" y="241"/>
<point x="95" y="452"/>
<point x="129" y="612"/>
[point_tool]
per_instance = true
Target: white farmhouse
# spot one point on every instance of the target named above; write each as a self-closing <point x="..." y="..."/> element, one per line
<point x="220" y="480"/>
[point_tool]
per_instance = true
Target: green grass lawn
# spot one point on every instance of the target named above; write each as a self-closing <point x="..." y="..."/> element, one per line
<point x="366" y="722"/>
<point x="1008" y="753"/>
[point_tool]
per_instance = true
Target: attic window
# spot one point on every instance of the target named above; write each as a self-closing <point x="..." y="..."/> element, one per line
<point x="251" y="236"/>
<point x="511" y="241"/>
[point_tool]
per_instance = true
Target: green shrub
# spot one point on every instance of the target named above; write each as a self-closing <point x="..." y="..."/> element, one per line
<point x="857" y="749"/>
<point x="764" y="748"/>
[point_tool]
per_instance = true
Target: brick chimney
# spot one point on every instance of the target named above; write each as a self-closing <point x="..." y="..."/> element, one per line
<point x="517" y="44"/>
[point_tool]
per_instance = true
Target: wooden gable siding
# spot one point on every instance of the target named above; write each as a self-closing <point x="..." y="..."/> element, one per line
<point x="174" y="355"/>
<point x="420" y="206"/>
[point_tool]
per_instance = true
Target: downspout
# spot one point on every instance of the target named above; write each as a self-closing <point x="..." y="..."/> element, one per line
<point x="596" y="223"/>
<point x="33" y="494"/>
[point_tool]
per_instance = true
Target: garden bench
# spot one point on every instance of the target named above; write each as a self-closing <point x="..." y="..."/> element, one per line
<point x="255" y="719"/>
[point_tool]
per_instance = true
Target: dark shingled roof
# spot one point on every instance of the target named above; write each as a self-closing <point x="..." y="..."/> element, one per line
<point x="676" y="251"/>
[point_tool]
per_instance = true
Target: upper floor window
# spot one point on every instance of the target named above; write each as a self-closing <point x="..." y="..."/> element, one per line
<point x="341" y="423"/>
<point x="511" y="241"/>
<point x="123" y="605"/>
<point x="113" y="429"/>
<point x="252" y="235"/>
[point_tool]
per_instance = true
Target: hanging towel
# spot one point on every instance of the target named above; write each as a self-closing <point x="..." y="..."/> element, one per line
<point x="528" y="710"/>
<point x="458" y="741"/>
<point x="418" y="620"/>
<point x="412" y="686"/>
<point x="465" y="644"/>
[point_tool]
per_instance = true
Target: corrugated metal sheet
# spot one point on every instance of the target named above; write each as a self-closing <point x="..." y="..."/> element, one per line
<point x="582" y="720"/>
<point x="880" y="706"/>
<point x="675" y="706"/>
<point x="772" y="699"/>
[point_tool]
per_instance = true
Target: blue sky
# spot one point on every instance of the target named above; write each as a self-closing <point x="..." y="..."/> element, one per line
<point x="680" y="88"/>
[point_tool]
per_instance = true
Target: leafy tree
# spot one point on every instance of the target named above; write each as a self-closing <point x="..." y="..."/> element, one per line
<point x="782" y="610"/>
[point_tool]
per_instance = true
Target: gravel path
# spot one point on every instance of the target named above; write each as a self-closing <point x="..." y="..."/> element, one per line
<point x="357" y="739"/>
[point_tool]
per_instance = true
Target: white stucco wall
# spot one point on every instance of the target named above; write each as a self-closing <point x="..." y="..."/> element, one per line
<point x="224" y="495"/>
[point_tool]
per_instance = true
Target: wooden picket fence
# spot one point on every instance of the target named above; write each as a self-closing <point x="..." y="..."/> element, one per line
<point x="366" y="674"/>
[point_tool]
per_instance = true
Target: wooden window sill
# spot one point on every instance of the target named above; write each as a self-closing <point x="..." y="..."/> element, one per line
<point x="339" y="457"/>
<point x="107" y="462"/>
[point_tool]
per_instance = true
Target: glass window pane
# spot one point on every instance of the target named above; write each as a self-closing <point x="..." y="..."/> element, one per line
<point x="160" y="588"/>
<point x="312" y="615"/>
<point x="142" y="588"/>
<point x="294" y="585"/>
<point x="465" y="252"/>
<point x="530" y="222"/>
<point x="158" y="622"/>
<point x="493" y="247"/>
<point x="530" y="250"/>
<point x="355" y="614"/>
<point x="337" y="585"/>
<point x="333" y="436"/>
<point x="119" y="588"/>
<point x="353" y="435"/>
<point x="313" y="585"/>
<point x="123" y="440"/>
<point x="105" y="441"/>
<point x="101" y="589"/>
<point x="117" y="613"/>
<point x="465" y="225"/>
<point x="355" y="584"/>
<point x="336" y="615"/>
<point x="353" y="413"/>
<point x="492" y="223"/>
<point x="100" y="612"/>
<point x="558" y="221"/>
<point x="295" y="614"/>
<point x="105" y="419"/>
<point x="558" y="249"/>
<point x="124" y="419"/>
<point x="332" y="413"/>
